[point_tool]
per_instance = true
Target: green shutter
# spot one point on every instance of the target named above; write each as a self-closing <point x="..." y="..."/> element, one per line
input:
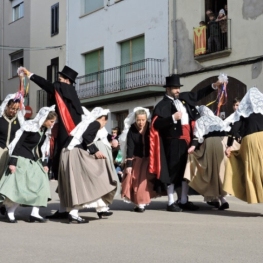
<point x="94" y="62"/>
<point x="137" y="49"/>
<point x="125" y="52"/>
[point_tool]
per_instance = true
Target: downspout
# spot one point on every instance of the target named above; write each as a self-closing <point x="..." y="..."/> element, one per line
<point x="174" y="38"/>
<point x="2" y="55"/>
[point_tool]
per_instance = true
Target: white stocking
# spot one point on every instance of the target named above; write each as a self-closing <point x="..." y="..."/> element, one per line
<point x="11" y="211"/>
<point x="35" y="212"/>
<point x="74" y="213"/>
<point x="170" y="193"/>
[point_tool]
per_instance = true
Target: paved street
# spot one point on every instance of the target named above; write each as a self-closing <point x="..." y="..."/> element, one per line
<point x="154" y="236"/>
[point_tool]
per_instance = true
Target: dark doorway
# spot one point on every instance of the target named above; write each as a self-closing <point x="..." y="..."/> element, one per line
<point x="215" y="6"/>
<point x="235" y="88"/>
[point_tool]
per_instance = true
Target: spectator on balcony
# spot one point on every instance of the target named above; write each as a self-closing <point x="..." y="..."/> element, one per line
<point x="222" y="20"/>
<point x="202" y="23"/>
<point x="68" y="108"/>
<point x="214" y="32"/>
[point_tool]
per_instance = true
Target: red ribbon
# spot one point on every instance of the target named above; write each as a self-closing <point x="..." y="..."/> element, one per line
<point x="155" y="158"/>
<point x="65" y="114"/>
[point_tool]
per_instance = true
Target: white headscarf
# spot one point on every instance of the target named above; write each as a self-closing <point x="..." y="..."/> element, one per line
<point x="130" y="119"/>
<point x="87" y="118"/>
<point x="34" y="126"/>
<point x="252" y="102"/>
<point x="20" y="113"/>
<point x="207" y="123"/>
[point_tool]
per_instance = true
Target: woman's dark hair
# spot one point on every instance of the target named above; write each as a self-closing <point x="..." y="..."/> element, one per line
<point x="235" y="100"/>
<point x="51" y="115"/>
<point x="106" y="117"/>
<point x="13" y="101"/>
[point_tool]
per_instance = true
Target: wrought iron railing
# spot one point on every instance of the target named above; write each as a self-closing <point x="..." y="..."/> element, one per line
<point x="129" y="76"/>
<point x="214" y="37"/>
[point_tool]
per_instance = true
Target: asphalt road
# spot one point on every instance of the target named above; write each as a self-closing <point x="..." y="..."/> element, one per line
<point x="206" y="235"/>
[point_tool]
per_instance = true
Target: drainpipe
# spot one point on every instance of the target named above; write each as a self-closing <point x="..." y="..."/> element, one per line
<point x="2" y="55"/>
<point x="174" y="38"/>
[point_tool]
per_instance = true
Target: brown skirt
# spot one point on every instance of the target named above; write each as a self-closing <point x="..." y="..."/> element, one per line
<point x="244" y="170"/>
<point x="137" y="187"/>
<point x="205" y="168"/>
<point x="83" y="179"/>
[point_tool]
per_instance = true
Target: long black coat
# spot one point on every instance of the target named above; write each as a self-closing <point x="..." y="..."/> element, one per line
<point x="69" y="96"/>
<point x="174" y="150"/>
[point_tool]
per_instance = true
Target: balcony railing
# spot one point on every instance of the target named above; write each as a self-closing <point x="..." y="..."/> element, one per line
<point x="214" y="37"/>
<point x="141" y="73"/>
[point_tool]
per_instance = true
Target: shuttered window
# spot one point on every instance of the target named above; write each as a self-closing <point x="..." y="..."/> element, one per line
<point x="94" y="64"/>
<point x="132" y="50"/>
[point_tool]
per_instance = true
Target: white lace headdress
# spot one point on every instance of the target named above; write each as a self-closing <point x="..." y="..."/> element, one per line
<point x="34" y="126"/>
<point x="87" y="118"/>
<point x="207" y="123"/>
<point x="20" y="113"/>
<point x="252" y="102"/>
<point x="130" y="119"/>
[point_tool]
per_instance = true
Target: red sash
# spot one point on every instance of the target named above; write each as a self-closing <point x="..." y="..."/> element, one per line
<point x="65" y="114"/>
<point x="155" y="158"/>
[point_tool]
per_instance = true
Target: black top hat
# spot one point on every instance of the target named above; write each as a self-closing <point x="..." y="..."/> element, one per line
<point x="69" y="73"/>
<point x="173" y="81"/>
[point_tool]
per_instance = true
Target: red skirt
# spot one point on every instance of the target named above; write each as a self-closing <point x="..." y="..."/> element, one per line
<point x="137" y="187"/>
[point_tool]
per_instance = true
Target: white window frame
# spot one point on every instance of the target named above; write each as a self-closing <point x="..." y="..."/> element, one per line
<point x="15" y="62"/>
<point x="18" y="10"/>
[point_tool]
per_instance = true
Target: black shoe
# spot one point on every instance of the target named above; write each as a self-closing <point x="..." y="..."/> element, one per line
<point x="58" y="215"/>
<point x="224" y="206"/>
<point x="3" y="210"/>
<point x="78" y="219"/>
<point x="173" y="208"/>
<point x="11" y="220"/>
<point x="214" y="203"/>
<point x="138" y="209"/>
<point x="189" y="206"/>
<point x="106" y="213"/>
<point x="37" y="219"/>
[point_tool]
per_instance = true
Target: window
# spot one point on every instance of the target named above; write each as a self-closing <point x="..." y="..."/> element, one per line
<point x="132" y="50"/>
<point x="92" y="5"/>
<point x="18" y="11"/>
<point x="94" y="64"/>
<point x="17" y="60"/>
<point x="132" y="56"/>
<point x="55" y="19"/>
<point x="94" y="61"/>
<point x="52" y="70"/>
<point x="42" y="99"/>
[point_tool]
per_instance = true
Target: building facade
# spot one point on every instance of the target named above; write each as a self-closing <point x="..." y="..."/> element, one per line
<point x="124" y="49"/>
<point x="33" y="34"/>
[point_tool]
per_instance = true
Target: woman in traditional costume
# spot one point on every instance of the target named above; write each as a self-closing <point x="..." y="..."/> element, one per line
<point x="26" y="181"/>
<point x="86" y="178"/>
<point x="244" y="170"/>
<point x="205" y="168"/>
<point x="137" y="184"/>
<point x="11" y="119"/>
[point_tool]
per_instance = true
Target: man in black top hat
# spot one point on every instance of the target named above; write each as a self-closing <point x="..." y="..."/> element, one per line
<point x="68" y="107"/>
<point x="173" y="120"/>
